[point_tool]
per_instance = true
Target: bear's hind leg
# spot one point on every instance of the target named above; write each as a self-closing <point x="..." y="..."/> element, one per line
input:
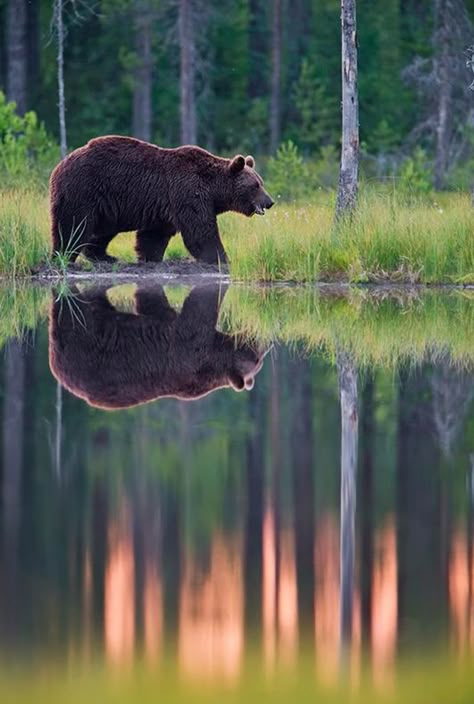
<point x="95" y="249"/>
<point x="151" y="244"/>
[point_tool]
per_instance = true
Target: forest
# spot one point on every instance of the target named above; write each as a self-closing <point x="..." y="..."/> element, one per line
<point x="253" y="75"/>
<point x="259" y="77"/>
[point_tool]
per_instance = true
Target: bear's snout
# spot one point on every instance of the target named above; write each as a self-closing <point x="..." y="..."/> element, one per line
<point x="265" y="204"/>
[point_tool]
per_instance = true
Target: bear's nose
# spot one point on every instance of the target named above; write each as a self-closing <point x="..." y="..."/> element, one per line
<point x="270" y="203"/>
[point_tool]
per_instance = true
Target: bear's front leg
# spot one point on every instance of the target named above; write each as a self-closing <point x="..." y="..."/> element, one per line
<point x="201" y="238"/>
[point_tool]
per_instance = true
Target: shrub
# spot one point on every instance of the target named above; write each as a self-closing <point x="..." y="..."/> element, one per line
<point x="415" y="175"/>
<point x="27" y="152"/>
<point x="287" y="173"/>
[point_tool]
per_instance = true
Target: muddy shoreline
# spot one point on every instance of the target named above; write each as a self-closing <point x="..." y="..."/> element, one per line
<point x="190" y="273"/>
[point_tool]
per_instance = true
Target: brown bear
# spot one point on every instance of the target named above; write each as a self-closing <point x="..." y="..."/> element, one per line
<point x="114" y="359"/>
<point x="117" y="184"/>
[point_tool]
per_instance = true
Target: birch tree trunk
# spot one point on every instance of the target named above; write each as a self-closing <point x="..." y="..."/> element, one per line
<point x="59" y="24"/>
<point x="349" y="444"/>
<point x="17" y="54"/>
<point x="142" y="111"/>
<point x="275" y="102"/>
<point x="348" y="174"/>
<point x="187" y="73"/>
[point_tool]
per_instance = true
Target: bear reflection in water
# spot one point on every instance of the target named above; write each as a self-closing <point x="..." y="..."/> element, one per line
<point x="114" y="359"/>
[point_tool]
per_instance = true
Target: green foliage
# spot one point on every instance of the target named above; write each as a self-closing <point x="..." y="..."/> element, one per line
<point x="287" y="173"/>
<point x="315" y="109"/>
<point x="26" y="151"/>
<point x="415" y="175"/>
<point x="233" y="77"/>
<point x="293" y="178"/>
<point x="323" y="172"/>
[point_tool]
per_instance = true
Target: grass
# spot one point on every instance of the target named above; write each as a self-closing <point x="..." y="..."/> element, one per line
<point x="390" y="238"/>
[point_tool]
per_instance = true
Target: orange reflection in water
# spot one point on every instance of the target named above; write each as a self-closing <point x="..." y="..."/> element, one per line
<point x="460" y="584"/>
<point x="384" y="602"/>
<point x="327" y="603"/>
<point x="211" y="613"/>
<point x="119" y="608"/>
<point x="152" y="613"/>
<point x="279" y="592"/>
<point x="87" y="583"/>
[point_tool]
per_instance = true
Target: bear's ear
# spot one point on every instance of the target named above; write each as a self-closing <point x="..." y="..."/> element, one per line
<point x="237" y="163"/>
<point x="236" y="380"/>
<point x="250" y="161"/>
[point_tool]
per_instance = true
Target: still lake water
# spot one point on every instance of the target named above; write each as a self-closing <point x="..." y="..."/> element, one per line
<point x="197" y="543"/>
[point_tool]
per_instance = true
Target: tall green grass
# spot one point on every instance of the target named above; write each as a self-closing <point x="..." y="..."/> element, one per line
<point x="390" y="238"/>
<point x="24" y="231"/>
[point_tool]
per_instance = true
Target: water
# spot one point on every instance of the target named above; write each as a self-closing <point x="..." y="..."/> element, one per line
<point x="209" y="547"/>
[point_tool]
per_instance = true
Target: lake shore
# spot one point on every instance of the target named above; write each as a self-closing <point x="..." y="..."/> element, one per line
<point x="393" y="238"/>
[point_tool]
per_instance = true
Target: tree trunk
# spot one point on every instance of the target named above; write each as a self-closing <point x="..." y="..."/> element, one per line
<point x="34" y="52"/>
<point x="366" y="503"/>
<point x="13" y="450"/>
<point x="58" y="20"/>
<point x="275" y="103"/>
<point x="302" y="450"/>
<point x="142" y="87"/>
<point x="348" y="175"/>
<point x="17" y="54"/>
<point x="443" y="117"/>
<point x="349" y="443"/>
<point x="187" y="73"/>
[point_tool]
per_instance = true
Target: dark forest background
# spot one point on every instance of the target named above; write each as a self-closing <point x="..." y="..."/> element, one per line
<point x="250" y="75"/>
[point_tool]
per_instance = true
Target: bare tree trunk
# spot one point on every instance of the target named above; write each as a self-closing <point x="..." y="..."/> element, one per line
<point x="348" y="175"/>
<point x="302" y="449"/>
<point x="443" y="117"/>
<point x="187" y="73"/>
<point x="349" y="444"/>
<point x="142" y="113"/>
<point x="367" y="426"/>
<point x="34" y="53"/>
<point x="275" y="103"/>
<point x="17" y="54"/>
<point x="58" y="21"/>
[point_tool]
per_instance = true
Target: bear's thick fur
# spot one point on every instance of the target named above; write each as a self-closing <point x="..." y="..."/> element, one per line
<point x="117" y="184"/>
<point x="114" y="359"/>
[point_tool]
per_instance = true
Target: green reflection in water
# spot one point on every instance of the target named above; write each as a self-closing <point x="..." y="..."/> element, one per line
<point x="181" y="543"/>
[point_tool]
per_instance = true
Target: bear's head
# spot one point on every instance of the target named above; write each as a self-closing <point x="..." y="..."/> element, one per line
<point x="247" y="361"/>
<point x="248" y="196"/>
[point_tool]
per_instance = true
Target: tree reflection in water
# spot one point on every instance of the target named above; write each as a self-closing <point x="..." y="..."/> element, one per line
<point x="198" y="533"/>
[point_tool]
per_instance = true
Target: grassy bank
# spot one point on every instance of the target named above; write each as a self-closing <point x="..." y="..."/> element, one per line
<point x="390" y="238"/>
<point x="377" y="329"/>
